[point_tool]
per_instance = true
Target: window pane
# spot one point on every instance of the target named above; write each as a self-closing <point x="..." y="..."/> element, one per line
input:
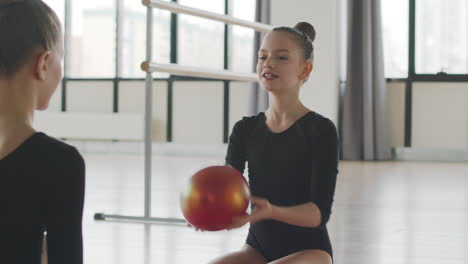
<point x="216" y="6"/>
<point x="200" y="42"/>
<point x="395" y="37"/>
<point x="242" y="40"/>
<point x="442" y="36"/>
<point x="242" y="59"/>
<point x="244" y="9"/>
<point x="133" y="40"/>
<point x="92" y="43"/>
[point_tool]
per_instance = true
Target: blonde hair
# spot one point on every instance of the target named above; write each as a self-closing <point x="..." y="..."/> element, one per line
<point x="25" y="26"/>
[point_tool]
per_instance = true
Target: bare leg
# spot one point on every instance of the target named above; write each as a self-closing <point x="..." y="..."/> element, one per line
<point x="246" y="255"/>
<point x="310" y="256"/>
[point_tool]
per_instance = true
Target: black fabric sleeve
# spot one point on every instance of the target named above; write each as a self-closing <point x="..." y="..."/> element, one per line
<point x="236" y="154"/>
<point x="328" y="155"/>
<point x="65" y="210"/>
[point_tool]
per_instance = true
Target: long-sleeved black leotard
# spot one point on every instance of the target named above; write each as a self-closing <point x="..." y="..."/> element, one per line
<point x="41" y="189"/>
<point x="296" y="166"/>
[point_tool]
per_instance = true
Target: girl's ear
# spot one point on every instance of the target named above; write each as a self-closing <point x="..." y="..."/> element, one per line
<point x="307" y="70"/>
<point x="42" y="65"/>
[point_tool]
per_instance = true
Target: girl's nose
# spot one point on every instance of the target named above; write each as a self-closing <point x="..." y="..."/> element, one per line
<point x="268" y="63"/>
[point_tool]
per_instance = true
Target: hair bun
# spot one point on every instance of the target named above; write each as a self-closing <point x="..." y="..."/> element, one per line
<point x="307" y="29"/>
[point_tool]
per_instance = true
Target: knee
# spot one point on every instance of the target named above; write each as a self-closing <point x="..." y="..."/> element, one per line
<point x="306" y="256"/>
<point x="245" y="255"/>
<point x="226" y="259"/>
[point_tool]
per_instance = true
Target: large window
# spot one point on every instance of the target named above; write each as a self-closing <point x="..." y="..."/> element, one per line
<point x="106" y="44"/>
<point x="424" y="41"/>
<point x="107" y="38"/>
<point x="441" y="37"/>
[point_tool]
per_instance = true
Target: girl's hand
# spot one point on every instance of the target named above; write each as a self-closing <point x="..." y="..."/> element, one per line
<point x="196" y="229"/>
<point x="263" y="210"/>
<point x="239" y="221"/>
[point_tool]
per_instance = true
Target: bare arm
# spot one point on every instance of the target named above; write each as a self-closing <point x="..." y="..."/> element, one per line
<point x="305" y="215"/>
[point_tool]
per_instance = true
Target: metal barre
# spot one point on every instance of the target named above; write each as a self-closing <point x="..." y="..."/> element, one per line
<point x="176" y="8"/>
<point x="175" y="69"/>
<point x="198" y="72"/>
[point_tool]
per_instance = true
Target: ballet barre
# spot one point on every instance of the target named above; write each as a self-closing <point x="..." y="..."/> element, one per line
<point x="149" y="67"/>
<point x="180" y="9"/>
<point x="176" y="69"/>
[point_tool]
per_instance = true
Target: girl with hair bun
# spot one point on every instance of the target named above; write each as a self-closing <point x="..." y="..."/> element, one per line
<point x="292" y="156"/>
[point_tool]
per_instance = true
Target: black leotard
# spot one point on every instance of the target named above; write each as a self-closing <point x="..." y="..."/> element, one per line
<point x="41" y="189"/>
<point x="296" y="166"/>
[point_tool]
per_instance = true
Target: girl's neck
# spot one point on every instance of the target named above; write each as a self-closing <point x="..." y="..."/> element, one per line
<point x="285" y="108"/>
<point x="16" y="117"/>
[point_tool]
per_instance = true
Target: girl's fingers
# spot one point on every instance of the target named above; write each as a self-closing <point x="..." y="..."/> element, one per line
<point x="257" y="200"/>
<point x="196" y="229"/>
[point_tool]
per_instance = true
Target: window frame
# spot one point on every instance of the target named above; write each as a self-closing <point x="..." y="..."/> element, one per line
<point x="173" y="59"/>
<point x="417" y="77"/>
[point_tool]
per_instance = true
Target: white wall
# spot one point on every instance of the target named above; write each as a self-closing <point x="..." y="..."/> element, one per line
<point x="132" y="101"/>
<point x="238" y="101"/>
<point x="95" y="97"/>
<point x="91" y="103"/>
<point x="320" y="93"/>
<point x="440" y="115"/>
<point x="396" y="112"/>
<point x="198" y="112"/>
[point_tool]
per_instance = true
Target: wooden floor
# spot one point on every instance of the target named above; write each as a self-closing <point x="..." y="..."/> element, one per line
<point x="384" y="213"/>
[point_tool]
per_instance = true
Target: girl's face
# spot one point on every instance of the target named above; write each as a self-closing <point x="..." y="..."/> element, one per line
<point x="53" y="76"/>
<point x="281" y="66"/>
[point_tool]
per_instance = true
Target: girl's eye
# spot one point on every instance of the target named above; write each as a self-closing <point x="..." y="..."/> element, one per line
<point x="283" y="58"/>
<point x="262" y="58"/>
